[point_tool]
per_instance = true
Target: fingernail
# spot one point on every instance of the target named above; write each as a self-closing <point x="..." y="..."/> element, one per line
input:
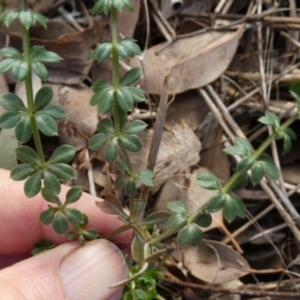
<point x="89" y="271"/>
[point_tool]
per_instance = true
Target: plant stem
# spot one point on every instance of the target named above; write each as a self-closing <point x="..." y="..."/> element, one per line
<point x="269" y="140"/>
<point x="29" y="92"/>
<point x="156" y="239"/>
<point x="115" y="69"/>
<point x="228" y="186"/>
<point x="117" y="112"/>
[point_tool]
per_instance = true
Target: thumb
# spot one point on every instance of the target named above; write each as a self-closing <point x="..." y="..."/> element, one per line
<point x="67" y="272"/>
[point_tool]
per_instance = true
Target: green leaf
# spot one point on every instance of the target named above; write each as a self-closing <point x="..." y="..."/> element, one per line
<point x="125" y="99"/>
<point x="241" y="142"/>
<point x="235" y="150"/>
<point x="112" y="151"/>
<point x="132" y="142"/>
<point x="131" y="77"/>
<point x="55" y="112"/>
<point x="26" y="17"/>
<point x="51" y="183"/>
<point x="177" y="207"/>
<point x="216" y="203"/>
<point x="73" y="215"/>
<point x="119" y="182"/>
<point x="43" y="98"/>
<point x="12" y="102"/>
<point x="9" y="17"/>
<point x="240" y="183"/>
<point x="102" y="52"/>
<point x="100" y="85"/>
<point x="40" y="70"/>
<point x="127" y="48"/>
<point x="10" y="119"/>
<point x="41" y="19"/>
<point x="257" y="173"/>
<point x="42" y="246"/>
<point x="91" y="234"/>
<point x="105" y="126"/>
<point x="233" y="207"/>
<point x="20" y="70"/>
<point x="6" y="64"/>
<point x="62" y="171"/>
<point x="106" y="102"/>
<point x="268" y="165"/>
<point x="73" y="195"/>
<point x="245" y="164"/>
<point x="146" y="177"/>
<point x="98" y="140"/>
<point x="48" y="196"/>
<point x="291" y="133"/>
<point x="23" y="130"/>
<point x="27" y="155"/>
<point x="10" y="52"/>
<point x="33" y="184"/>
<point x="130" y="187"/>
<point x="105" y="6"/>
<point x="208" y="181"/>
<point x="136" y="94"/>
<point x="39" y="54"/>
<point x="21" y="172"/>
<point x="134" y="127"/>
<point x="287" y="144"/>
<point x="176" y="220"/>
<point x="46" y="124"/>
<point x="47" y="216"/>
<point x="62" y="154"/>
<point x="270" y="119"/>
<point x="190" y="234"/>
<point x="203" y="219"/>
<point x="60" y="224"/>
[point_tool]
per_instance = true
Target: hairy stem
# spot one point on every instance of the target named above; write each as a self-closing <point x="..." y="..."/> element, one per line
<point x="29" y="92"/>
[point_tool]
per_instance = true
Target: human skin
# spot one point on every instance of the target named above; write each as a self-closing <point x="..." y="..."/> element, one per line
<point x="65" y="272"/>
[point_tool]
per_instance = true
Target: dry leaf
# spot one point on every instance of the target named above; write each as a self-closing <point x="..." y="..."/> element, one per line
<point x="128" y="19"/>
<point x="188" y="106"/>
<point x="213" y="262"/>
<point x="192" y="62"/>
<point x="81" y="120"/>
<point x="179" y="150"/>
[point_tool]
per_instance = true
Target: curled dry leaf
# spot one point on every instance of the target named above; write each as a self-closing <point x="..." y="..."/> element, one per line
<point x="192" y="62"/>
<point x="81" y="120"/>
<point x="213" y="262"/>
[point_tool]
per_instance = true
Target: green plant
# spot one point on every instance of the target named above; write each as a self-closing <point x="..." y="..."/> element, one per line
<point x="118" y="136"/>
<point x="38" y="116"/>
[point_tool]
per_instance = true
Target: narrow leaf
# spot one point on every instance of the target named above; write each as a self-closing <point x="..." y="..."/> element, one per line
<point x="62" y="171"/>
<point x="46" y="124"/>
<point x="208" y="181"/>
<point x="27" y="155"/>
<point x="62" y="154"/>
<point x="60" y="224"/>
<point x="21" y="172"/>
<point x="33" y="185"/>
<point x="73" y="195"/>
<point x="43" y="98"/>
<point x="51" y="183"/>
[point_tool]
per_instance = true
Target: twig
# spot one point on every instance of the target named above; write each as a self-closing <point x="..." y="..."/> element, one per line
<point x="252" y="293"/>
